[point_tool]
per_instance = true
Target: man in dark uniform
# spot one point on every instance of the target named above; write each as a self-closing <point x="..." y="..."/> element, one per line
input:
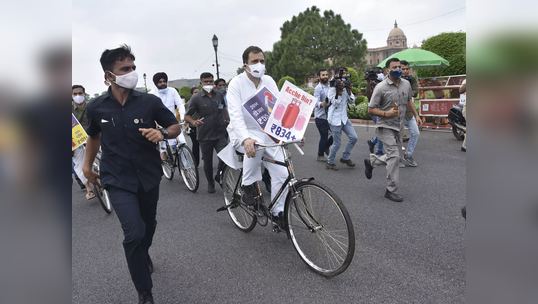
<point x="123" y="120"/>
<point x="209" y="106"/>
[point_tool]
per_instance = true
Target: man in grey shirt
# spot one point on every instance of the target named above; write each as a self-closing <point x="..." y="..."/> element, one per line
<point x="390" y="100"/>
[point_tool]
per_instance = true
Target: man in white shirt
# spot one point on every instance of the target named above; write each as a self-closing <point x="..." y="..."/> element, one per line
<point x="171" y="100"/>
<point x="244" y="131"/>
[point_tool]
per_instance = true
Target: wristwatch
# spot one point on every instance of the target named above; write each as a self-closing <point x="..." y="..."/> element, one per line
<point x="164" y="132"/>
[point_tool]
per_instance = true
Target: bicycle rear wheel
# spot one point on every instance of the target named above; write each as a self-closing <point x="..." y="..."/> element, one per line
<point x="168" y="164"/>
<point x="320" y="229"/>
<point x="242" y="217"/>
<point x="100" y="192"/>
<point x="187" y="168"/>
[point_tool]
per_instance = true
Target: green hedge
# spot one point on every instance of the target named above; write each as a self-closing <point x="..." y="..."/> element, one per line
<point x="283" y="79"/>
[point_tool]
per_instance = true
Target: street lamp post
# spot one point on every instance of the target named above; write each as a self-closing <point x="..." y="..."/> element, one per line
<point x="215" y="41"/>
<point x="145" y="85"/>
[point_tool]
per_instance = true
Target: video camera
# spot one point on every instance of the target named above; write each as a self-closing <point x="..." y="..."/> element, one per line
<point x="371" y="74"/>
<point x="335" y="82"/>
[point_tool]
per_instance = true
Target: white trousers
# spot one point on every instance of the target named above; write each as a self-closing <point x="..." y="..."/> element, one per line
<point x="78" y="159"/>
<point x="252" y="172"/>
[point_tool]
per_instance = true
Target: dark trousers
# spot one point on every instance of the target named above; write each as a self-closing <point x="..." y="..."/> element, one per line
<point x="324" y="141"/>
<point x="207" y="147"/>
<point x="137" y="214"/>
<point x="195" y="146"/>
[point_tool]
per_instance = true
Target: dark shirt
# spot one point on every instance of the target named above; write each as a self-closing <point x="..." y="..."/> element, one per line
<point x="80" y="114"/>
<point x="128" y="159"/>
<point x="209" y="108"/>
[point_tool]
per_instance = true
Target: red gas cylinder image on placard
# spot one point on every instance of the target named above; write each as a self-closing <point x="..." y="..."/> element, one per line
<point x="292" y="111"/>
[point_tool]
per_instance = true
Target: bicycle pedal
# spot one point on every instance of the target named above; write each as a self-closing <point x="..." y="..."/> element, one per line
<point x="276" y="229"/>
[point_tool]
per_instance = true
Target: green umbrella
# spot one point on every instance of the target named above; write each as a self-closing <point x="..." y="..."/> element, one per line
<point x="419" y="59"/>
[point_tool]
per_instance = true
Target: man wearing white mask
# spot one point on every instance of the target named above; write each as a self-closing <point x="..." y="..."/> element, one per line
<point x="124" y="121"/>
<point x="78" y="108"/>
<point x="209" y="106"/>
<point x="244" y="131"/>
<point x="171" y="100"/>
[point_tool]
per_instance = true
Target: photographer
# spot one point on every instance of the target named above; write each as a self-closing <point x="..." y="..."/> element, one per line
<point x="339" y="96"/>
<point x="390" y="100"/>
<point x="320" y="93"/>
<point x="373" y="77"/>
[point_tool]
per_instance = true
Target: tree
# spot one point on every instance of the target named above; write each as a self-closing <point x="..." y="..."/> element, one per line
<point x="450" y="46"/>
<point x="96" y="95"/>
<point x="185" y="91"/>
<point x="240" y="70"/>
<point x="283" y="79"/>
<point x="309" y="40"/>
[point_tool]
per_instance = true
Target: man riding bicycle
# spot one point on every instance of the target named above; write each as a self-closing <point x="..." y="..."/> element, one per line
<point x="244" y="131"/>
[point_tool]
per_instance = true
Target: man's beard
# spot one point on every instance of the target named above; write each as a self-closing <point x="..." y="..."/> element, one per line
<point x="161" y="88"/>
<point x="324" y="80"/>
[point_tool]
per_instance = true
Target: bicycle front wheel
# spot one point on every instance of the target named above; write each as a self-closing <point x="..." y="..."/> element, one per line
<point x="101" y="193"/>
<point x="242" y="217"/>
<point x="320" y="228"/>
<point x="187" y="168"/>
<point x="168" y="164"/>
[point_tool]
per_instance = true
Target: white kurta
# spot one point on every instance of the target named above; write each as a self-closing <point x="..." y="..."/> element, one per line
<point x="243" y="126"/>
<point x="170" y="100"/>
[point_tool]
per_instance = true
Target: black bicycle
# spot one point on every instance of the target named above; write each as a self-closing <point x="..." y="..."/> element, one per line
<point x="316" y="220"/>
<point x="181" y="157"/>
<point x="99" y="191"/>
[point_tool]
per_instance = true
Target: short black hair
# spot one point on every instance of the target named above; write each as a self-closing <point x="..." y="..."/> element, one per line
<point x="338" y="69"/>
<point x="78" y="86"/>
<point x="251" y="49"/>
<point x="206" y="75"/>
<point x="219" y="80"/>
<point x="387" y="64"/>
<point x="404" y="62"/>
<point x="321" y="70"/>
<point x="181" y="96"/>
<point x="194" y="88"/>
<point x="109" y="57"/>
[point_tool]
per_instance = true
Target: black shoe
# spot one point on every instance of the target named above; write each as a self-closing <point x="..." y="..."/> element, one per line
<point x="348" y="162"/>
<point x="463" y="149"/>
<point x="464" y="212"/>
<point x="393" y="196"/>
<point x="331" y="167"/>
<point x="371" y="145"/>
<point x="249" y="192"/>
<point x="150" y="265"/>
<point x="280" y="221"/>
<point x="211" y="188"/>
<point x="145" y="297"/>
<point x="368" y="168"/>
<point x="405" y="139"/>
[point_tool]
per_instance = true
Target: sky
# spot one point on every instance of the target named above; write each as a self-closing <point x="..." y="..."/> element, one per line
<point x="175" y="36"/>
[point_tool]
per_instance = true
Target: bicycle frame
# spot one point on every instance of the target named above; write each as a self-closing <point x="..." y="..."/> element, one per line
<point x="290" y="180"/>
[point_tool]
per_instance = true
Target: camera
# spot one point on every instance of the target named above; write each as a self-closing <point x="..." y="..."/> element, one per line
<point x="337" y="79"/>
<point x="371" y="74"/>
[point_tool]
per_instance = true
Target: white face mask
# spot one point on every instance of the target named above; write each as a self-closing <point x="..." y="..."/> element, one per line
<point x="380" y="76"/>
<point x="79" y="99"/>
<point x="128" y="81"/>
<point x="163" y="91"/>
<point x="208" y="88"/>
<point x="259" y="67"/>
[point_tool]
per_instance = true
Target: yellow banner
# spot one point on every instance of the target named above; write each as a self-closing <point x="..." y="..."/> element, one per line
<point x="78" y="135"/>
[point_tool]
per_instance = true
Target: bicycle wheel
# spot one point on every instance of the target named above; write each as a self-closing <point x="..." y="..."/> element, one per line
<point x="187" y="168"/>
<point x="242" y="217"/>
<point x="168" y="165"/>
<point x="101" y="193"/>
<point x="320" y="228"/>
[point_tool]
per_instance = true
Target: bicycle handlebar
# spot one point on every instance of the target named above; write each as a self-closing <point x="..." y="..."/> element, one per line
<point x="278" y="144"/>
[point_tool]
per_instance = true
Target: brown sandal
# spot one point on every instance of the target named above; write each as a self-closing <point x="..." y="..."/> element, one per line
<point x="90" y="195"/>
